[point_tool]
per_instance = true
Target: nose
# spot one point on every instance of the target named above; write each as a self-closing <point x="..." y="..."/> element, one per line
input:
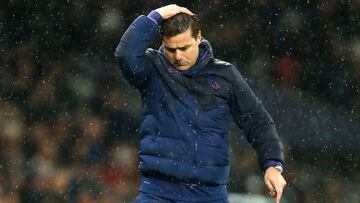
<point x="178" y="55"/>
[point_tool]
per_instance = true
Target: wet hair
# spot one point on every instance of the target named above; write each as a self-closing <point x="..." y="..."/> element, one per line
<point x="178" y="24"/>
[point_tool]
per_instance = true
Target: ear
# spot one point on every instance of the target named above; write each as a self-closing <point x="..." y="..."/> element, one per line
<point x="199" y="37"/>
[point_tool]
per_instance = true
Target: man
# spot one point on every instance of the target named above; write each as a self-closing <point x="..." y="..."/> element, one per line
<point x="188" y="99"/>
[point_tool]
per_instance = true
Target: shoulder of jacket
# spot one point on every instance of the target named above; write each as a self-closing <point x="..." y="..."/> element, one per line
<point x="226" y="70"/>
<point x="218" y="62"/>
<point x="223" y="66"/>
<point x="152" y="52"/>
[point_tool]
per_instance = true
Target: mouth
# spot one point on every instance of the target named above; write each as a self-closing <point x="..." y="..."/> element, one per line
<point x="176" y="64"/>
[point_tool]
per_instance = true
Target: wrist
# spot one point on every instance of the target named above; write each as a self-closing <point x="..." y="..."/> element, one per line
<point x="274" y="164"/>
<point x="155" y="17"/>
<point x="278" y="168"/>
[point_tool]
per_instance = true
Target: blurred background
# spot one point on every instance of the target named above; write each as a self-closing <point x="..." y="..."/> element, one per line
<point x="69" y="121"/>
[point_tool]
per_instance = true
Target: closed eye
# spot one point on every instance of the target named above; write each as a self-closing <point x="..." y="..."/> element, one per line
<point x="173" y="50"/>
<point x="184" y="48"/>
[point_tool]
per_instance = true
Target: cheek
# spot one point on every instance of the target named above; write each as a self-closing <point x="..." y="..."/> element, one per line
<point x="193" y="54"/>
<point x="169" y="57"/>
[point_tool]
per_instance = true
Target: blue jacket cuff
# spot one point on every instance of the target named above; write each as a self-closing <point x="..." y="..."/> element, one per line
<point x="269" y="163"/>
<point x="155" y="17"/>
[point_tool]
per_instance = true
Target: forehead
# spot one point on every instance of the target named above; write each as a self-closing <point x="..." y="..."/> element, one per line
<point x="180" y="40"/>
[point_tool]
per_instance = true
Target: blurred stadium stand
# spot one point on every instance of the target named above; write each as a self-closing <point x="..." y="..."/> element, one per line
<point x="68" y="120"/>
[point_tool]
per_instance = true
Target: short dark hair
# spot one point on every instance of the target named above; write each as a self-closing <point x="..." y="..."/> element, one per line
<point x="178" y="24"/>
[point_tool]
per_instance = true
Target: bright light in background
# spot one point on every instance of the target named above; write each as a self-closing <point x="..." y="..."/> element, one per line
<point x="110" y="20"/>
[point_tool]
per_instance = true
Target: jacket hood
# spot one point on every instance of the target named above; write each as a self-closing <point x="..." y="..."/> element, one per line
<point x="205" y="55"/>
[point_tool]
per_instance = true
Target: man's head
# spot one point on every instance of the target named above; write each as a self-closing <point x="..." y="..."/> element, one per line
<point x="181" y="37"/>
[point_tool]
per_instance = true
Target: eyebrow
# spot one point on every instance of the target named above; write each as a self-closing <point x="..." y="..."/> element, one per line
<point x="181" y="48"/>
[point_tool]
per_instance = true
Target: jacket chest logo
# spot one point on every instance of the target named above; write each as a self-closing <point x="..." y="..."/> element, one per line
<point x="214" y="83"/>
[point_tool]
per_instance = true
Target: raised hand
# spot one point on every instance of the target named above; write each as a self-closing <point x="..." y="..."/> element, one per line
<point x="171" y="10"/>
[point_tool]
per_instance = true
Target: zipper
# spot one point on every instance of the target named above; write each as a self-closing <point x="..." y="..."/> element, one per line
<point x="195" y="160"/>
<point x="195" y="148"/>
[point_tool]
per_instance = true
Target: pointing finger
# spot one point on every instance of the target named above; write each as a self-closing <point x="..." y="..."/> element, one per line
<point x="278" y="195"/>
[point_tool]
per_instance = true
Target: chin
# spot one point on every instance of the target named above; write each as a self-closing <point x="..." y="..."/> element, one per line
<point x="182" y="68"/>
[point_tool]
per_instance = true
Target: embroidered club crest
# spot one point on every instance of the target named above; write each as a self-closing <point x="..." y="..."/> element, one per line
<point x="213" y="82"/>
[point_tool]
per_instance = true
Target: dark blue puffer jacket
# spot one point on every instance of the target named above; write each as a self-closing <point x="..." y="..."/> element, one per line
<point x="186" y="115"/>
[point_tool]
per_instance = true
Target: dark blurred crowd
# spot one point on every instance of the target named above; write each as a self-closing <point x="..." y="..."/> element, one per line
<point x="68" y="120"/>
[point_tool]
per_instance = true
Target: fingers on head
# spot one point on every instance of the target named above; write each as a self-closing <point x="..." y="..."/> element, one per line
<point x="187" y="11"/>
